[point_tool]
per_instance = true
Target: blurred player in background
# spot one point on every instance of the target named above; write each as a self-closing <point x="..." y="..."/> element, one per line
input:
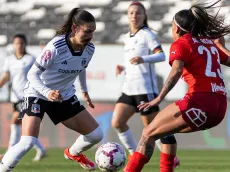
<point x="51" y="89"/>
<point x="196" y="59"/>
<point x="141" y="51"/>
<point x="15" y="70"/>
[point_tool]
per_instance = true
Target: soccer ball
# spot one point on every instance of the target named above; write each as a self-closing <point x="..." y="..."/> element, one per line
<point x="110" y="157"/>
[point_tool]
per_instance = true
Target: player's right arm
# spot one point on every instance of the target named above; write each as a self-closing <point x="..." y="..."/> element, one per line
<point x="5" y="76"/>
<point x="40" y="65"/>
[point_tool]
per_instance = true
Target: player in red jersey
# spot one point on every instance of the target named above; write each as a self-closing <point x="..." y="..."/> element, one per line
<point x="196" y="59"/>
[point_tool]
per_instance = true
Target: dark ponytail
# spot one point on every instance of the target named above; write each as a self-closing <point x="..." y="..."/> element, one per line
<point x="76" y="16"/>
<point x="198" y="22"/>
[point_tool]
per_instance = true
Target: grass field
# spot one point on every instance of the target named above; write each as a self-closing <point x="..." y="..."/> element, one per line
<point x="191" y="161"/>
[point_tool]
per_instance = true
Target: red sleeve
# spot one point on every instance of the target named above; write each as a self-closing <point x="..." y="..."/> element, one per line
<point x="179" y="51"/>
<point x="223" y="56"/>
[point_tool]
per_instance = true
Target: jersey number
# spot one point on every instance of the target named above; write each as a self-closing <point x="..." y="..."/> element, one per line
<point x="208" y="70"/>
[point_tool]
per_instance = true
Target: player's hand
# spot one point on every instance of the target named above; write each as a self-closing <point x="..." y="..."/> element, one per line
<point x="87" y="99"/>
<point x="136" y="60"/>
<point x="119" y="69"/>
<point x="147" y="105"/>
<point x="55" y="96"/>
<point x="219" y="41"/>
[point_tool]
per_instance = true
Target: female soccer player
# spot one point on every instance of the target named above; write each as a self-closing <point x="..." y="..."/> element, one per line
<point x="196" y="59"/>
<point x="142" y="50"/>
<point x="51" y="89"/>
<point x="15" y="70"/>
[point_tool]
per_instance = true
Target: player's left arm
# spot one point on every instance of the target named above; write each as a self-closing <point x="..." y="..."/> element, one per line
<point x="173" y="77"/>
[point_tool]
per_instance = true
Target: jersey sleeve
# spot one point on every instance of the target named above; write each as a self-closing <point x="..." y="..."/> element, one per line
<point x="6" y="65"/>
<point x="179" y="51"/>
<point x="44" y="60"/>
<point x="223" y="56"/>
<point x="90" y="50"/>
<point x="152" y="41"/>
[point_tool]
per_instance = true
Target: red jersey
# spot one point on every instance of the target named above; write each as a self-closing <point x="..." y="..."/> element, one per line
<point x="202" y="59"/>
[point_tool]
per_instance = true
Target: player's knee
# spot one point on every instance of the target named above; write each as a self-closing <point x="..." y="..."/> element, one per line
<point x="28" y="142"/>
<point x="95" y="136"/>
<point x="168" y="140"/>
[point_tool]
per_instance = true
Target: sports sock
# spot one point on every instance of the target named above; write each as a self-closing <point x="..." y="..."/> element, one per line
<point x="15" y="133"/>
<point x="14" y="154"/>
<point x="38" y="146"/>
<point x="136" y="162"/>
<point x="85" y="142"/>
<point x="166" y="162"/>
<point x="128" y="140"/>
<point x="158" y="144"/>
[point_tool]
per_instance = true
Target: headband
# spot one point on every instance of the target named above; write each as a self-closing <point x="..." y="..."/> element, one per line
<point x="179" y="25"/>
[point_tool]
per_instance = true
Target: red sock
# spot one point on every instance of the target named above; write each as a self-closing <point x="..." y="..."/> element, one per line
<point x="166" y="162"/>
<point x="136" y="162"/>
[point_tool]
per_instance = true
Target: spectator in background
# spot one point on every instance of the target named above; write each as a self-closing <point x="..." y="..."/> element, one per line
<point x="196" y="59"/>
<point x="141" y="51"/>
<point x="51" y="89"/>
<point x="15" y="70"/>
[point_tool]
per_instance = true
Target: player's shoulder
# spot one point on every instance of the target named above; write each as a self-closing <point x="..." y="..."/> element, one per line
<point x="91" y="45"/>
<point x="146" y="31"/>
<point x="59" y="41"/>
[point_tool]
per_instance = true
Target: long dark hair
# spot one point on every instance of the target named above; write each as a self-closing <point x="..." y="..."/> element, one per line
<point x="23" y="37"/>
<point x="145" y="22"/>
<point x="198" y="22"/>
<point x="76" y="16"/>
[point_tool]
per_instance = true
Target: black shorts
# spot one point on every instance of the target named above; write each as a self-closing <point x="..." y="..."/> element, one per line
<point x="57" y="112"/>
<point x="135" y="100"/>
<point x="17" y="106"/>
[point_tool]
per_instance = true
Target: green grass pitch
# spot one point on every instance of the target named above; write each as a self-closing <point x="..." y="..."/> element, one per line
<point x="191" y="161"/>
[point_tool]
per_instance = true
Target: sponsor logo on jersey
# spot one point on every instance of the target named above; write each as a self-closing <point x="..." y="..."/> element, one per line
<point x="64" y="62"/>
<point x="35" y="108"/>
<point x="62" y="50"/>
<point x="68" y="71"/>
<point x="218" y="88"/>
<point x="46" y="55"/>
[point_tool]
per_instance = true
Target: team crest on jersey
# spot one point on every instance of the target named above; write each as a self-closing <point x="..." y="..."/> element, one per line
<point x="46" y="55"/>
<point x="35" y="108"/>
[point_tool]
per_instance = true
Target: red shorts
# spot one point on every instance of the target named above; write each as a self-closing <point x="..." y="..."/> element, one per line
<point x="202" y="110"/>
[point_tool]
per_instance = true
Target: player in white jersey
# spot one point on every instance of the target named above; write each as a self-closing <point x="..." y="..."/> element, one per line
<point x="51" y="89"/>
<point x="141" y="51"/>
<point x="15" y="70"/>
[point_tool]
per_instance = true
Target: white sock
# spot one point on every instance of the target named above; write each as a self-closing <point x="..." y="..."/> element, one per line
<point x="158" y="144"/>
<point x="128" y="140"/>
<point x="84" y="142"/>
<point x="14" y="154"/>
<point x="15" y="133"/>
<point x="38" y="146"/>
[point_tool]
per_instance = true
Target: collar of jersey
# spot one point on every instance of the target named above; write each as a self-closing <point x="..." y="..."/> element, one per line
<point x="74" y="53"/>
<point x="132" y="35"/>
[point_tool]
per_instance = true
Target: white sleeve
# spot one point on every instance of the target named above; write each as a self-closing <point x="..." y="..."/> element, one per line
<point x="153" y="44"/>
<point x="151" y="41"/>
<point x="82" y="81"/>
<point x="40" y="65"/>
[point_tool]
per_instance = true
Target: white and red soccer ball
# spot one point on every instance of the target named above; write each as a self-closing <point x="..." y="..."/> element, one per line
<point x="110" y="157"/>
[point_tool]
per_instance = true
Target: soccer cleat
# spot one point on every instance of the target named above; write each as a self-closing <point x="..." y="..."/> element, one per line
<point x="176" y="162"/>
<point x="81" y="159"/>
<point x="39" y="156"/>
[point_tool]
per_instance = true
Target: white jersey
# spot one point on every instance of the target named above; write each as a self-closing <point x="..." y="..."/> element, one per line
<point x="57" y="68"/>
<point x="139" y="79"/>
<point x="18" y="69"/>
